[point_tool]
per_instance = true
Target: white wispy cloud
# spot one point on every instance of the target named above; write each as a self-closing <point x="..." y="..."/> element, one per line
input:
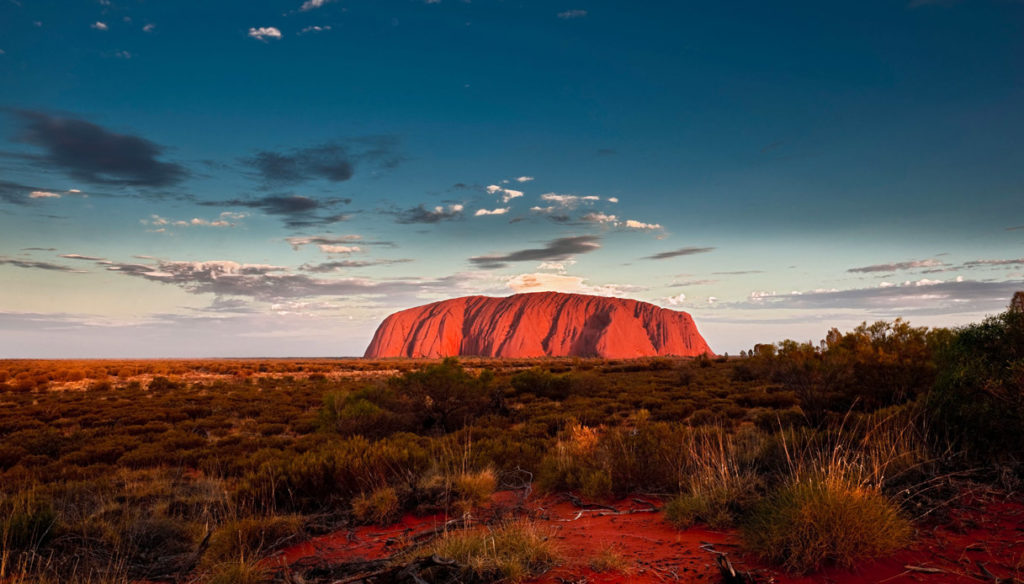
<point x="547" y="282"/>
<point x="222" y="221"/>
<point x="340" y="249"/>
<point x="676" y="300"/>
<point x="324" y="28"/>
<point x="498" y="211"/>
<point x="523" y="179"/>
<point x="600" y="218"/>
<point x="506" y="194"/>
<point x="43" y="195"/>
<point x="149" y="27"/>
<point x="265" y="32"/>
<point x="99" y="25"/>
<point x="313" y="4"/>
<point x="633" y="224"/>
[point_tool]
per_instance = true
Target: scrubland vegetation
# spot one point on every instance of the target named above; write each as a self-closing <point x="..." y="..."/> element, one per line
<point x="821" y="454"/>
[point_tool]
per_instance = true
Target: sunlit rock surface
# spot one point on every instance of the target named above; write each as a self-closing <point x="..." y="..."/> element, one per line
<point x="536" y="325"/>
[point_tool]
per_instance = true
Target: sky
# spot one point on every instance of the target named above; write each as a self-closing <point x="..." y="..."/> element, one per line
<point x="273" y="178"/>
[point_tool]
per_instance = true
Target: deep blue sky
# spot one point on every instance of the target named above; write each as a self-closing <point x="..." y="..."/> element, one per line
<point x="272" y="178"/>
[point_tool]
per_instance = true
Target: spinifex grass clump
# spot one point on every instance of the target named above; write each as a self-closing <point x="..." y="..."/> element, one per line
<point x="831" y="510"/>
<point x="825" y="519"/>
<point x="718" y="484"/>
<point x="510" y="552"/>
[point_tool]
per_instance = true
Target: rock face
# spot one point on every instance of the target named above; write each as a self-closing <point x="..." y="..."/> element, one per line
<point x="536" y="325"/>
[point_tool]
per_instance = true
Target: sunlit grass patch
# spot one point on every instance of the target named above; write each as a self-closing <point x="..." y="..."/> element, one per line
<point x="513" y="551"/>
<point x="825" y="519"/>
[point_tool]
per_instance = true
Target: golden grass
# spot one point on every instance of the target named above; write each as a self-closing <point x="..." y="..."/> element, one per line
<point x="513" y="551"/>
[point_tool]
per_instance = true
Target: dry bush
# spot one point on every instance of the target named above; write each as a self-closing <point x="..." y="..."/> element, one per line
<point x="825" y="519"/>
<point x="513" y="552"/>
<point x="379" y="507"/>
<point x="610" y="559"/>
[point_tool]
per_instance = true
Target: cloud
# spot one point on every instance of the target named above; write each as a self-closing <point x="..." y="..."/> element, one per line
<point x="921" y="297"/>
<point x="295" y="210"/>
<point x="613" y="199"/>
<point x="158" y="221"/>
<point x="686" y="283"/>
<point x="309" y="29"/>
<point x="331" y="161"/>
<point x="571" y="14"/>
<point x="1015" y="228"/>
<point x="523" y="179"/>
<point x="43" y="195"/>
<point x="499" y="211"/>
<point x="506" y="194"/>
<point x="265" y="32"/>
<point x="632" y="224"/>
<point x="340" y="249"/>
<point x="683" y="251"/>
<point x="897" y="266"/>
<point x="558" y="249"/>
<point x="263" y="282"/>
<point x="298" y="242"/>
<point x="75" y="256"/>
<point x="977" y="263"/>
<point x="545" y="282"/>
<point x="313" y="4"/>
<point x="348" y="264"/>
<point x="420" y="214"/>
<point x="738" y="273"/>
<point x="559" y="267"/>
<point x="91" y="153"/>
<point x="600" y="218"/>
<point x="8" y="261"/>
<point x="99" y="25"/>
<point x="562" y="202"/>
<point x="149" y="27"/>
<point x="676" y="300"/>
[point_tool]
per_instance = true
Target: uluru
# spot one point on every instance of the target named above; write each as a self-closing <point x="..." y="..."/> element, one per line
<point x="538" y="324"/>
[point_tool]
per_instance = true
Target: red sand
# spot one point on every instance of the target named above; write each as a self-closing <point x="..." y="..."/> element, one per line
<point x="541" y="324"/>
<point x="983" y="534"/>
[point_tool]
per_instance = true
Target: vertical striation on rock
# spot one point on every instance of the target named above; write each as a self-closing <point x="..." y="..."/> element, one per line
<point x="538" y="324"/>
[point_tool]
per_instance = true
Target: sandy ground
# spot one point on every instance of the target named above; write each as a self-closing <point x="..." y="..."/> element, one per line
<point x="981" y="539"/>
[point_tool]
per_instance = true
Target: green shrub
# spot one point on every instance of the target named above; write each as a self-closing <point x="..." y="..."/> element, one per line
<point x="541" y="383"/>
<point x="978" y="402"/>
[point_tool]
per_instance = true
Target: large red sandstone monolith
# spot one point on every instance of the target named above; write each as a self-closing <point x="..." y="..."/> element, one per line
<point x="538" y="324"/>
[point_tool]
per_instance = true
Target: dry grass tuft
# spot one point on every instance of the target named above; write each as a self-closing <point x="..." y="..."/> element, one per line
<point x="513" y="551"/>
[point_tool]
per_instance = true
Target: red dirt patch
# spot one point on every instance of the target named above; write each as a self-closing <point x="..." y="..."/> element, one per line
<point x="982" y="541"/>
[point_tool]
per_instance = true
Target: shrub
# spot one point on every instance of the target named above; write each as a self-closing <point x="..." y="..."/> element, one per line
<point x="248" y="538"/>
<point x="380" y="507"/>
<point x="542" y="383"/>
<point x="240" y="571"/>
<point x="513" y="552"/>
<point x="27" y="521"/>
<point x="475" y="487"/>
<point x="825" y="519"/>
<point x="978" y="402"/>
<point x="609" y="559"/>
<point x="445" y="396"/>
